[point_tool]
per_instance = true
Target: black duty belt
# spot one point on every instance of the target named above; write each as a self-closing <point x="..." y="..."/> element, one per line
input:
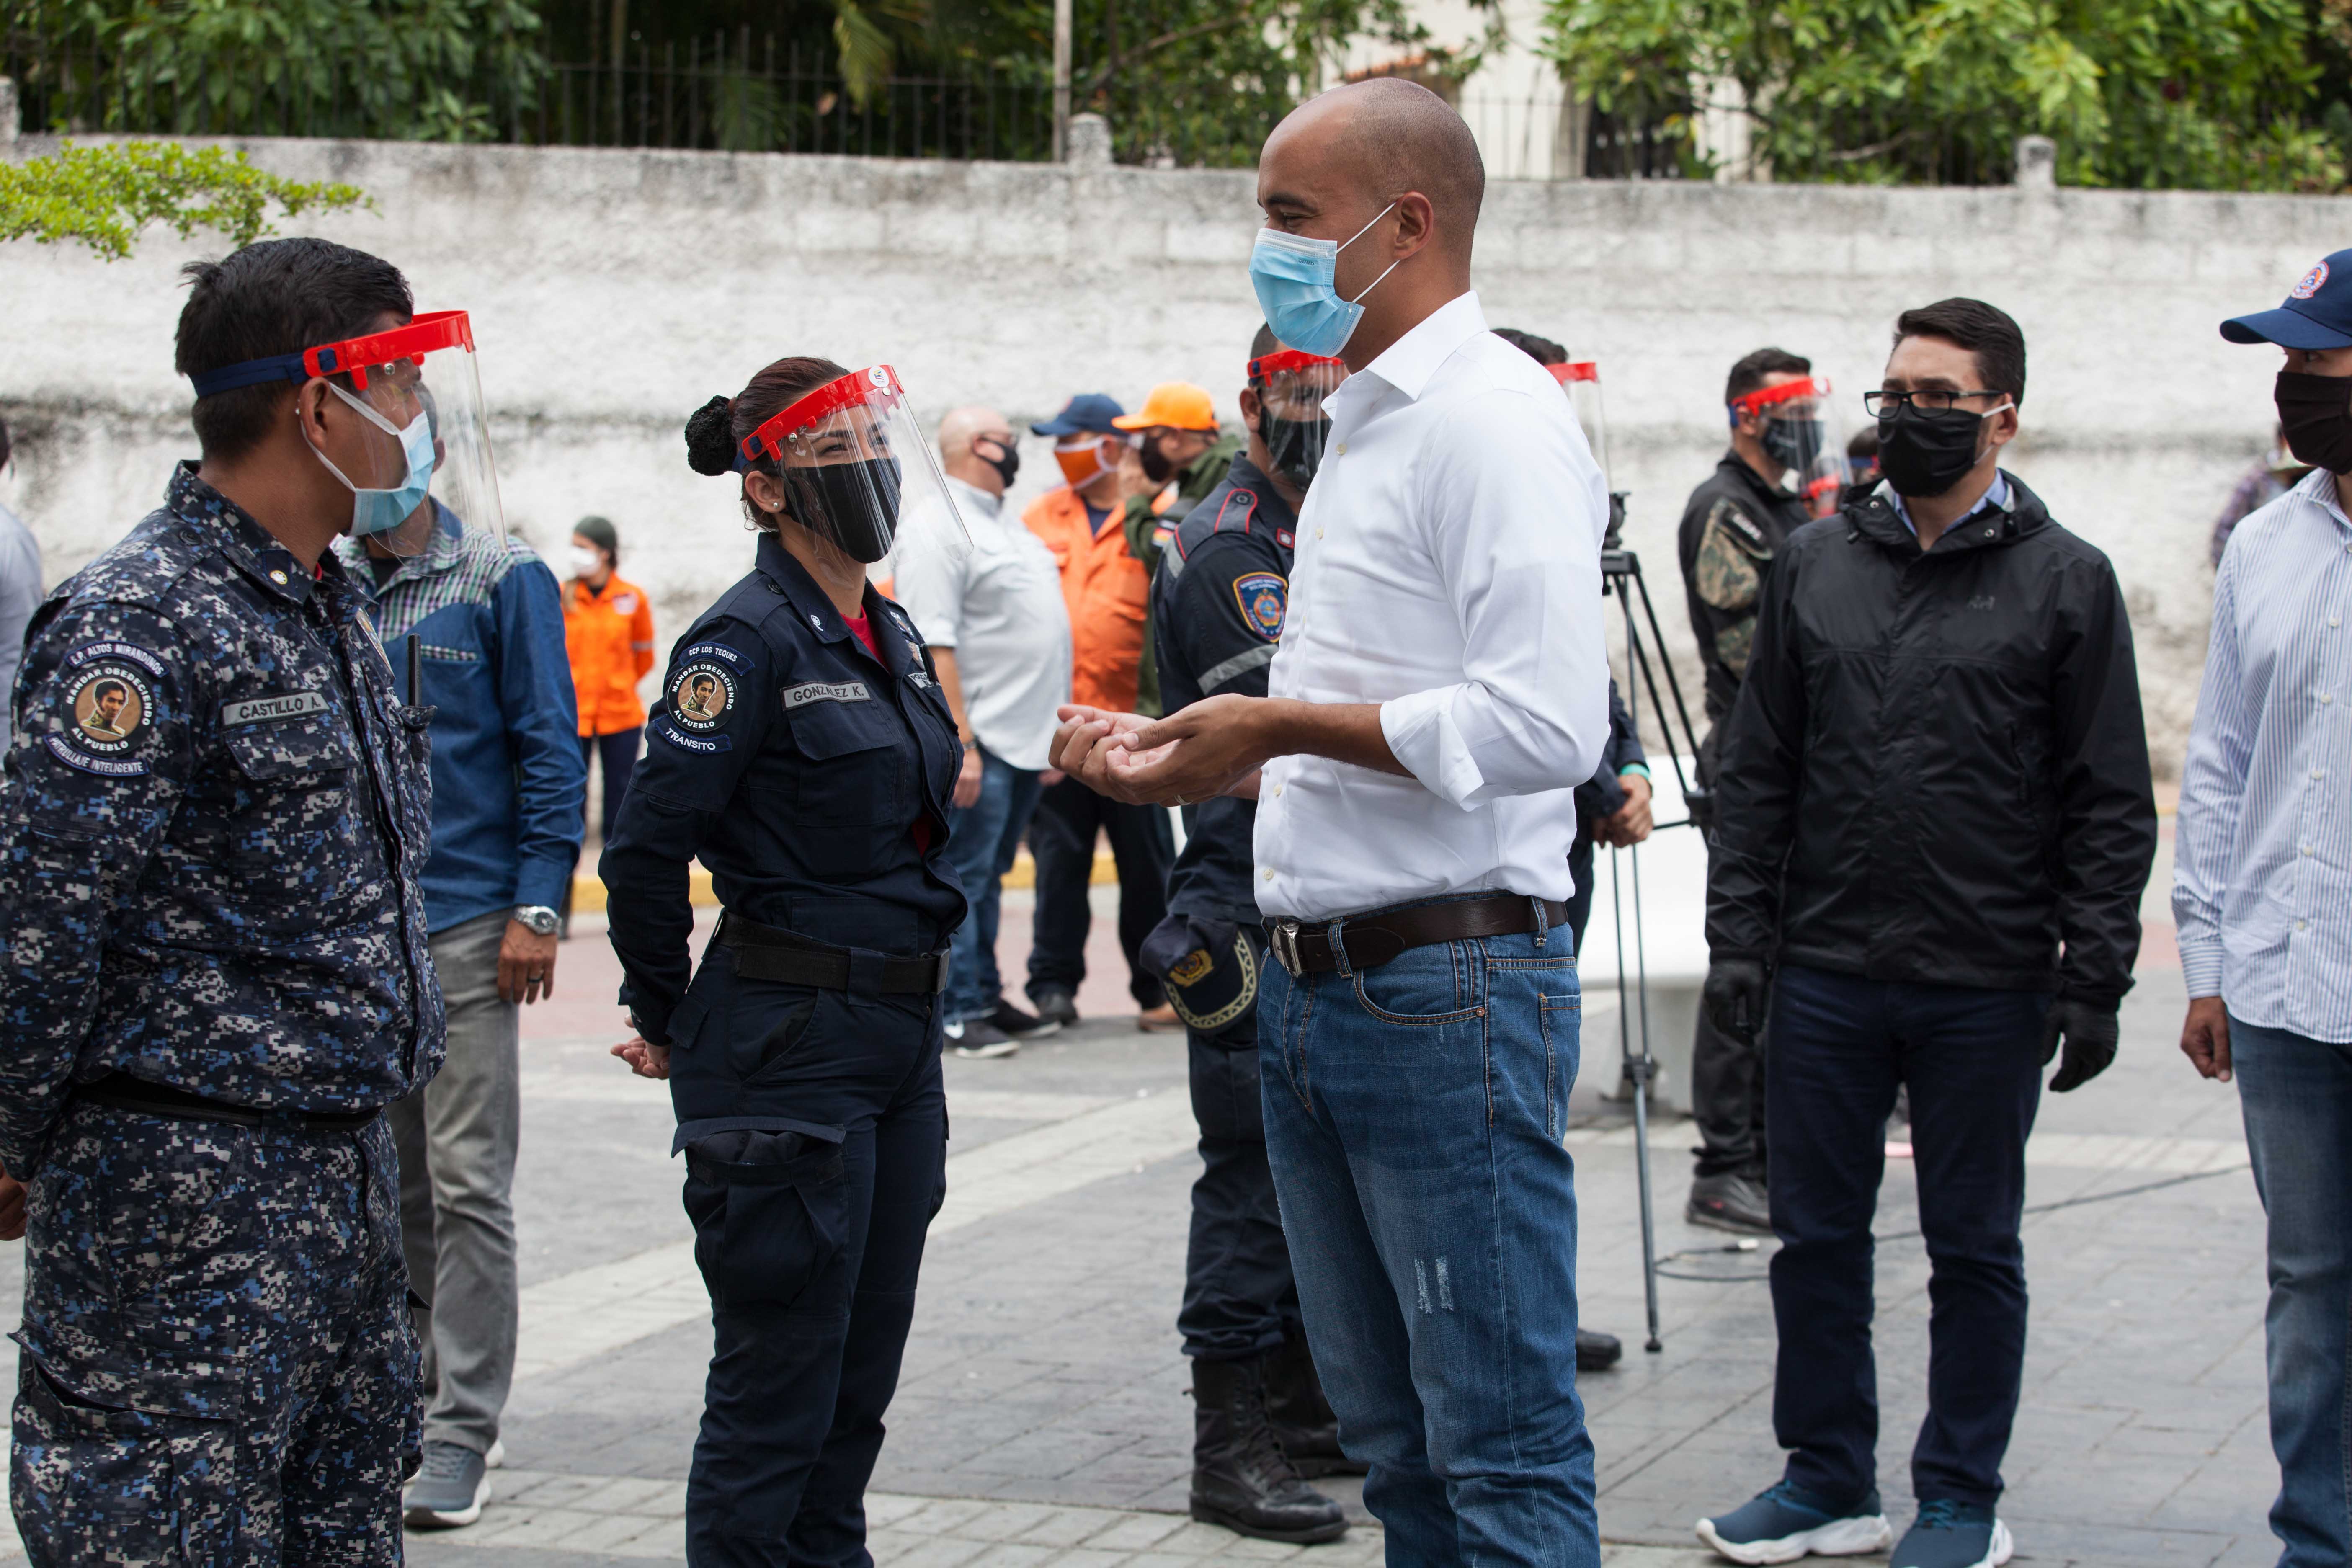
<point x="1371" y="939"/>
<point x="120" y="1091"/>
<point x="764" y="953"/>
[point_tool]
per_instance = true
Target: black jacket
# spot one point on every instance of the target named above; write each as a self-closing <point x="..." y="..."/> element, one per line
<point x="1937" y="771"/>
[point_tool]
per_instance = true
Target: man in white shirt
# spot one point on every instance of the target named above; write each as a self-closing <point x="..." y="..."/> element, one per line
<point x="1440" y="689"/>
<point x="991" y="613"/>
<point x="2262" y="889"/>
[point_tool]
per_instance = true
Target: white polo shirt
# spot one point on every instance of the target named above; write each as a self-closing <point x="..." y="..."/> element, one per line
<point x="998" y="603"/>
<point x="1448" y="568"/>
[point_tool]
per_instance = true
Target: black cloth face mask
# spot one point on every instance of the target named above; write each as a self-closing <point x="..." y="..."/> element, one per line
<point x="1792" y="443"/>
<point x="1006" y="466"/>
<point x="1925" y="451"/>
<point x="1156" y="466"/>
<point x="2316" y="415"/>
<point x="855" y="505"/>
<point x="1295" y="447"/>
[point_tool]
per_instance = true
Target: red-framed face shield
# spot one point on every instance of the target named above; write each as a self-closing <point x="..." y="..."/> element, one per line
<point x="1580" y="379"/>
<point x="1291" y="387"/>
<point x="852" y="461"/>
<point x="1799" y="431"/>
<point x="418" y="456"/>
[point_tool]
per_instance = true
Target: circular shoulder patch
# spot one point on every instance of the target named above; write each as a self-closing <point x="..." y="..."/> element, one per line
<point x="701" y="696"/>
<point x="110" y="702"/>
<point x="2312" y="282"/>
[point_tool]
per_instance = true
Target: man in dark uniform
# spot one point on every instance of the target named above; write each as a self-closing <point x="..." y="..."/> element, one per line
<point x="1734" y="522"/>
<point x="1260" y="1419"/>
<point x="217" y="980"/>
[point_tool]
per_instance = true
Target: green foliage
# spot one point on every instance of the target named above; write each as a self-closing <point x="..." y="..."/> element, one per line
<point x="1191" y="81"/>
<point x="104" y="195"/>
<point x="2205" y="94"/>
<point x="441" y="70"/>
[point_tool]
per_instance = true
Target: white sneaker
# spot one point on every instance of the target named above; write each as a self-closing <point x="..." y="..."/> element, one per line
<point x="495" y="1459"/>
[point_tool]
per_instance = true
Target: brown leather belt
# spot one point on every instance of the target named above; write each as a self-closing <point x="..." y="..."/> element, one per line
<point x="764" y="953"/>
<point x="1371" y="939"/>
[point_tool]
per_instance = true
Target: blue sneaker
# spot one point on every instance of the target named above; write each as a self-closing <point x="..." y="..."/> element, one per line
<point x="1949" y="1534"/>
<point x="1788" y="1522"/>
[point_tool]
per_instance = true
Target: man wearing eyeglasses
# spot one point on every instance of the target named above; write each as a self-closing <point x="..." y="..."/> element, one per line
<point x="1933" y="826"/>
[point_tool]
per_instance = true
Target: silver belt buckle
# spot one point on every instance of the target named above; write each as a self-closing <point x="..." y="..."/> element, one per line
<point x="1285" y="946"/>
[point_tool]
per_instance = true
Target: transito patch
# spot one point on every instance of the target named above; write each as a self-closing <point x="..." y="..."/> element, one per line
<point x="1263" y="598"/>
<point x="702" y="695"/>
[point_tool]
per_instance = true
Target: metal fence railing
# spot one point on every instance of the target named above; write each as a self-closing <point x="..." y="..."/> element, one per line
<point x="718" y="93"/>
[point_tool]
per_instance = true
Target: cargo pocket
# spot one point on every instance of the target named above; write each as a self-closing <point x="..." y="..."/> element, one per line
<point x="769" y="1212"/>
<point x="128" y="1477"/>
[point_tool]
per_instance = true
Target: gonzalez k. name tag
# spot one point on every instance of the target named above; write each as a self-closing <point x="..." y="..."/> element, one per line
<point x="822" y="691"/>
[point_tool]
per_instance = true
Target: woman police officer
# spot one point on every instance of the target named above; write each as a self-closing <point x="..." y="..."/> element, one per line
<point x="802" y="752"/>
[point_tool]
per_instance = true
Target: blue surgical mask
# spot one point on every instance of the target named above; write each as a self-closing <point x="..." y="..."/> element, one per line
<point x="380" y="511"/>
<point x="1293" y="277"/>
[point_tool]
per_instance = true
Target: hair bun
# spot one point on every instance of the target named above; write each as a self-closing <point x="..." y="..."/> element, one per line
<point x="710" y="437"/>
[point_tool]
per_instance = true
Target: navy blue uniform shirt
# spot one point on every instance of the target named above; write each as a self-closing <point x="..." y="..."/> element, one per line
<point x="1217" y="605"/>
<point x="796" y="767"/>
<point x="214" y="819"/>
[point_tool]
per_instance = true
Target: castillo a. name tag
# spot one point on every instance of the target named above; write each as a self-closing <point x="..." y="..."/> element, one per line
<point x="289" y="705"/>
<point x="822" y="691"/>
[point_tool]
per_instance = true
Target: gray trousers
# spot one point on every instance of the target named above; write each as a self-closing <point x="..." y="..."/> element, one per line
<point x="456" y="1138"/>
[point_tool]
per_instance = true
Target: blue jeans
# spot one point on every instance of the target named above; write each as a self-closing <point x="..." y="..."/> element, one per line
<point x="1413" y="1115"/>
<point x="982" y="839"/>
<point x="2298" y="1098"/>
<point x="1839" y="1047"/>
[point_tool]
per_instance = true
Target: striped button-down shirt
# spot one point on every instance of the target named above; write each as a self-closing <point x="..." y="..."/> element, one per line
<point x="2262" y="881"/>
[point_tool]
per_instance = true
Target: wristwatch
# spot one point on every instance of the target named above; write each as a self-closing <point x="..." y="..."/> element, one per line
<point x="538" y="919"/>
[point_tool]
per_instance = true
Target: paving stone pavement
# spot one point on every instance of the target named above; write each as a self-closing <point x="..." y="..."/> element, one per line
<point x="1043" y="1415"/>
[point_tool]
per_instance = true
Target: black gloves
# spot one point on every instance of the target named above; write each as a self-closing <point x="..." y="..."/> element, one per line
<point x="1734" y="996"/>
<point x="2091" y="1032"/>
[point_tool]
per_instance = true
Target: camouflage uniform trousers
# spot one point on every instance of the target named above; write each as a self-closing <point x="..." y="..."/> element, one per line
<point x="220" y="1369"/>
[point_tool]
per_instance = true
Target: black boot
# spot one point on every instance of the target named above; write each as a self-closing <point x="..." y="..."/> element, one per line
<point x="1303" y="1420"/>
<point x="1240" y="1476"/>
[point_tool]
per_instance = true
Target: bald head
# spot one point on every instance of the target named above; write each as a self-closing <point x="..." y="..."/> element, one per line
<point x="1385" y="136"/>
<point x="972" y="442"/>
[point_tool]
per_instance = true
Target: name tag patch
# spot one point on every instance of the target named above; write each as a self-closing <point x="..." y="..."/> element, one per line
<point x="821" y="691"/>
<point x="286" y="705"/>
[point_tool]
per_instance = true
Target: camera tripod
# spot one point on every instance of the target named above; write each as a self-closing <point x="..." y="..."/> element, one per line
<point x="1620" y="575"/>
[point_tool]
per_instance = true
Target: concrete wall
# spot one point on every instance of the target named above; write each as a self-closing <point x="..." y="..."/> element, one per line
<point x="613" y="291"/>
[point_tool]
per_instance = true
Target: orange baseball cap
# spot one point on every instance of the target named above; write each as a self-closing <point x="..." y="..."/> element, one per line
<point x="1177" y="404"/>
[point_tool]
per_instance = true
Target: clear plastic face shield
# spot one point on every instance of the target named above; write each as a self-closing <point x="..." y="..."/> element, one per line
<point x="1291" y="387"/>
<point x="850" y="463"/>
<point x="1799" y="431"/>
<point x="407" y="429"/>
<point x="1581" y="382"/>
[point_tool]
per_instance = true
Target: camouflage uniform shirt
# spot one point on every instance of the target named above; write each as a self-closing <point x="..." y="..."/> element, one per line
<point x="211" y="826"/>
<point x="1731" y="531"/>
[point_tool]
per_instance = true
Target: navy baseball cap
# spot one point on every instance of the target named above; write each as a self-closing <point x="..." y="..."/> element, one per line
<point x="2317" y="314"/>
<point x="1089" y="412"/>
